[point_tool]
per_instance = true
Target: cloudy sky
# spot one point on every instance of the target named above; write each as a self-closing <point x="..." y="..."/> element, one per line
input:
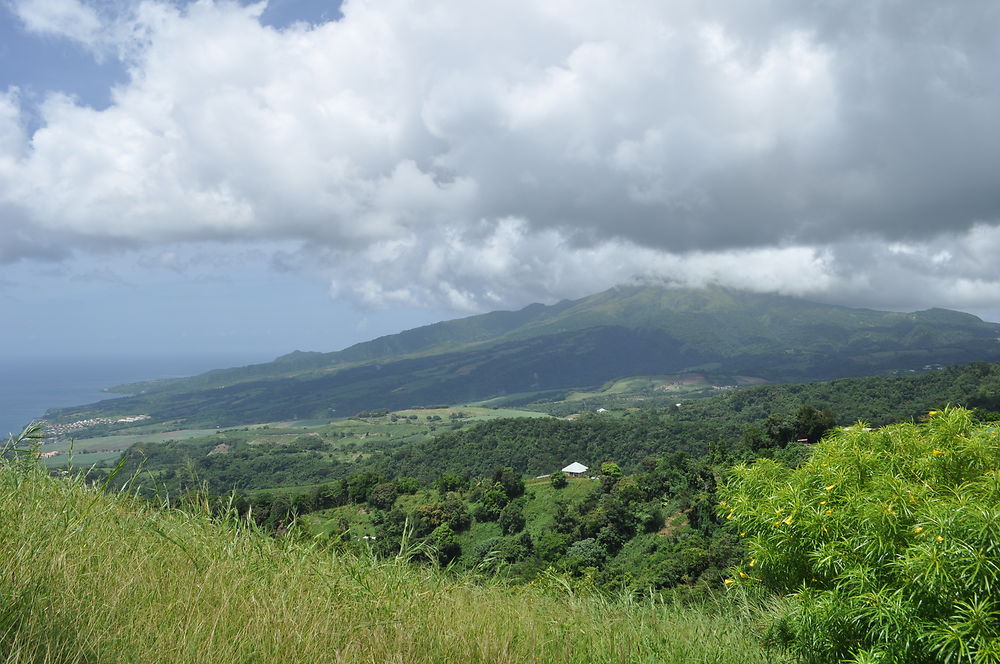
<point x="304" y="174"/>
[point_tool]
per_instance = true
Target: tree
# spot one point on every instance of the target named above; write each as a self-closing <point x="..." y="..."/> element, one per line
<point x="558" y="480"/>
<point x="332" y="494"/>
<point x="493" y="500"/>
<point x="610" y="474"/>
<point x="450" y="482"/>
<point x="884" y="542"/>
<point x="408" y="485"/>
<point x="360" y="486"/>
<point x="563" y="521"/>
<point x="510" y="482"/>
<point x="811" y="423"/>
<point x="280" y="513"/>
<point x="551" y="545"/>
<point x="451" y="511"/>
<point x="383" y="495"/>
<point x="512" y="518"/>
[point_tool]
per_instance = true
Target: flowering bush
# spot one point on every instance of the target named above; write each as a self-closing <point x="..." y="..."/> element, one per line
<point x="886" y="543"/>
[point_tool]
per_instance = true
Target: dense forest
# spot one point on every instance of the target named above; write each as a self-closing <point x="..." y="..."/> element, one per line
<point x="742" y="419"/>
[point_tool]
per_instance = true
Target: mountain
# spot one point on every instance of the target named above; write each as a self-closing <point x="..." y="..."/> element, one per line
<point x="543" y="351"/>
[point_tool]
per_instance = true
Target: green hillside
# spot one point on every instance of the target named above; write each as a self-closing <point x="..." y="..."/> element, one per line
<point x="538" y="446"/>
<point x="545" y="352"/>
<point x="89" y="577"/>
<point x="476" y="441"/>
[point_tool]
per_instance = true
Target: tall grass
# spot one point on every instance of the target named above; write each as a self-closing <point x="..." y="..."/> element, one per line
<point x="87" y="577"/>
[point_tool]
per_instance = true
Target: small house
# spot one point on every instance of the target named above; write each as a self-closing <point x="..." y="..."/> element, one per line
<point x="575" y="469"/>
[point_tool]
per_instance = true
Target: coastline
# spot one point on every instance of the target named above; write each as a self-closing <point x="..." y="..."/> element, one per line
<point x="30" y="386"/>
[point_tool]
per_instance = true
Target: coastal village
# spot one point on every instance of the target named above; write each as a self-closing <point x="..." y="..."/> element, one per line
<point x="56" y="430"/>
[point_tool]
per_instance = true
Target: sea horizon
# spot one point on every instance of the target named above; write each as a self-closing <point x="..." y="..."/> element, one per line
<point x="30" y="386"/>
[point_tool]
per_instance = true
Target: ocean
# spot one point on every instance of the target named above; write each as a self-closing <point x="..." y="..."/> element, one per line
<point x="30" y="386"/>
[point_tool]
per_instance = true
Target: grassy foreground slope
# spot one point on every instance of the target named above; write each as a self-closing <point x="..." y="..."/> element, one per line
<point x="88" y="577"/>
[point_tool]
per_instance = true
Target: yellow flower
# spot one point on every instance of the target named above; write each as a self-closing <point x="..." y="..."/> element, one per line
<point x="829" y="487"/>
<point x="743" y="534"/>
<point x="729" y="516"/>
<point x="933" y="413"/>
<point x="822" y="502"/>
<point x="777" y="523"/>
<point x="729" y="581"/>
<point x="743" y="575"/>
<point x="753" y="562"/>
<point x="937" y="452"/>
<point x="829" y="511"/>
<point x="724" y="503"/>
<point x="918" y="529"/>
<point x="789" y="519"/>
<point x="939" y="538"/>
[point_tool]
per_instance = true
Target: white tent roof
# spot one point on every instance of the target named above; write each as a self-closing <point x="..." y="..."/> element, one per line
<point x="575" y="467"/>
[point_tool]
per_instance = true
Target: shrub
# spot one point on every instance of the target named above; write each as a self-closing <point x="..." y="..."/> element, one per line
<point x="445" y="544"/>
<point x="583" y="554"/>
<point x="887" y="542"/>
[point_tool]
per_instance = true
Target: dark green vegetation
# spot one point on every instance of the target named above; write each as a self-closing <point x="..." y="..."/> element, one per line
<point x="738" y="421"/>
<point x="282" y="455"/>
<point x="885" y="543"/>
<point x="87" y="576"/>
<point x="651" y="530"/>
<point x="550" y="351"/>
<point x="648" y="522"/>
<point x="425" y="444"/>
<point x="429" y="485"/>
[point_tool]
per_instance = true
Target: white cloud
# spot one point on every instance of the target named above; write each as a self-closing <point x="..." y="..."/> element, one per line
<point x="13" y="139"/>
<point x="468" y="269"/>
<point x="63" y="18"/>
<point x="475" y="155"/>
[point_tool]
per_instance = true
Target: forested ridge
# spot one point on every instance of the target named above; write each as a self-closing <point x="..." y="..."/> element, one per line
<point x="729" y="420"/>
<point x="548" y="352"/>
<point x="534" y="446"/>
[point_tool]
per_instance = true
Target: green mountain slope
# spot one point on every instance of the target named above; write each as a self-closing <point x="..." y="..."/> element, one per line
<point x="543" y="351"/>
<point x="534" y="446"/>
